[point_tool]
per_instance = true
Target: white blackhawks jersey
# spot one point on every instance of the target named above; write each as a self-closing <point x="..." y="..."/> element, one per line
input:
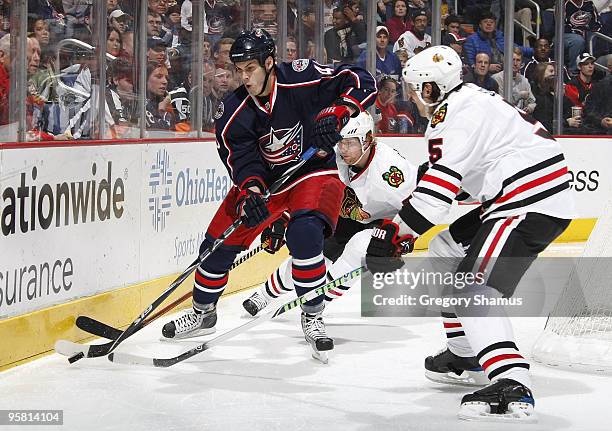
<point x="378" y="190"/>
<point x="409" y="41"/>
<point x="504" y="159"/>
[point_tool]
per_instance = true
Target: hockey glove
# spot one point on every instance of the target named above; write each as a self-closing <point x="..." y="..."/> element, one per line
<point x="386" y="248"/>
<point x="251" y="206"/>
<point x="328" y="123"/>
<point x="273" y="237"/>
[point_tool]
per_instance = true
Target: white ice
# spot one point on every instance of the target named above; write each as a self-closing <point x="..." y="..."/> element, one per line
<point x="265" y="379"/>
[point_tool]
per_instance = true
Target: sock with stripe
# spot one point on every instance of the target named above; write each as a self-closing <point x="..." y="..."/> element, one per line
<point x="492" y="337"/>
<point x="456" y="339"/>
<point x="305" y="242"/>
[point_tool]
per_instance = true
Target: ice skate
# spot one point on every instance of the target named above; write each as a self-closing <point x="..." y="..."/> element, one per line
<point x="446" y="367"/>
<point x="256" y="302"/>
<point x="316" y="336"/>
<point x="505" y="400"/>
<point x="191" y="324"/>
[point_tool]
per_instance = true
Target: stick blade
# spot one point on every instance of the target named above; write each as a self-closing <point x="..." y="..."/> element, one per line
<point x="70" y="349"/>
<point x="129" y="359"/>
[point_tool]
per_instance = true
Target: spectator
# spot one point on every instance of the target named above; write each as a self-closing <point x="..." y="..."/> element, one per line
<point x="541" y="54"/>
<point x="221" y="50"/>
<point x="264" y="14"/>
<point x="158" y="107"/>
<point x="580" y="19"/>
<point x="32" y="55"/>
<point x="156" y="51"/>
<point x="598" y="104"/>
<point x="111" y="5"/>
<point x="521" y="96"/>
<point x="544" y="93"/>
<point x="222" y="80"/>
<point x="122" y="83"/>
<point x="154" y="24"/>
<point x="292" y="52"/>
<point x="400" y="22"/>
<point x="186" y="12"/>
<point x="174" y="24"/>
<point x="208" y="106"/>
<point x="339" y="40"/>
<point x="480" y="74"/>
<point x="416" y="37"/>
<point x="113" y="42"/>
<point x="387" y="62"/>
<point x="488" y="39"/>
<point x="353" y="15"/>
<point x="455" y="41"/>
<point x="158" y="6"/>
<point x="39" y="28"/>
<point x="580" y="86"/>
<point x="386" y="110"/>
<point x="127" y="42"/>
<point x="452" y="24"/>
<point x="402" y="55"/>
<point x="309" y="22"/>
<point x="5" y="81"/>
<point x="206" y="49"/>
<point x="119" y="20"/>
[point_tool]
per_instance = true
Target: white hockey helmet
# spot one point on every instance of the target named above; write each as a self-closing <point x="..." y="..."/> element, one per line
<point x="359" y="127"/>
<point x="439" y="64"/>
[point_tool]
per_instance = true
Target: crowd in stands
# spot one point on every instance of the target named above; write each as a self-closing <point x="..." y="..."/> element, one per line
<point x="63" y="73"/>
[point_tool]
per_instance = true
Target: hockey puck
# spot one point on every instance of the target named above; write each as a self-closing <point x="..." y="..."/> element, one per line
<point x="76" y="357"/>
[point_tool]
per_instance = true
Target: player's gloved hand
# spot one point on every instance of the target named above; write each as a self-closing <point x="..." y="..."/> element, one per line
<point x="251" y="206"/>
<point x="328" y="123"/>
<point x="273" y="237"/>
<point x="386" y="248"/>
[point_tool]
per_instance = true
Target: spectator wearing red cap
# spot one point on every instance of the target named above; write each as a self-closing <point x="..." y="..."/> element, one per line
<point x="400" y="22"/>
<point x="580" y="86"/>
<point x="387" y="63"/>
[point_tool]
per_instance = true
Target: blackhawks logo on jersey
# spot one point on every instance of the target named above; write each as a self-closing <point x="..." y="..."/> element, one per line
<point x="351" y="207"/>
<point x="394" y="177"/>
<point x="439" y="116"/>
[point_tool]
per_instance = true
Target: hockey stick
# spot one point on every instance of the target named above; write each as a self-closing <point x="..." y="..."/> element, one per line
<point x="76" y="351"/>
<point x="101" y="329"/>
<point x="127" y="358"/>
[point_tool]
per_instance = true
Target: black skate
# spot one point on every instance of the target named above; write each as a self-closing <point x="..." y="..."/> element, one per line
<point x="191" y="324"/>
<point x="316" y="336"/>
<point x="446" y="367"/>
<point x="505" y="400"/>
<point x="256" y="302"/>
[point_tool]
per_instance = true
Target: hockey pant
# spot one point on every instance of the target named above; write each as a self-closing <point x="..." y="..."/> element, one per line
<point x="491" y="338"/>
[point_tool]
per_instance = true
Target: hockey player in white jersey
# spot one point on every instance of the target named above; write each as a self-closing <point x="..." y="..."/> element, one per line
<point x="517" y="171"/>
<point x="378" y="178"/>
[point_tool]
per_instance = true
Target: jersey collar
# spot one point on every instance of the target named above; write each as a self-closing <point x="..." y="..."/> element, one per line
<point x="269" y="105"/>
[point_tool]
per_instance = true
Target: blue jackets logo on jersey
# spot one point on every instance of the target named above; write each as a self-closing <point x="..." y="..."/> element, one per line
<point x="282" y="146"/>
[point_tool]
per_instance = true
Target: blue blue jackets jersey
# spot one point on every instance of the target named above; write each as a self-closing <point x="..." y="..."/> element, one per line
<point x="262" y="137"/>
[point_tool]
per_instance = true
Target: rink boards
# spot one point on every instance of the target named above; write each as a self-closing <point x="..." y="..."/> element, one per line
<point x="101" y="229"/>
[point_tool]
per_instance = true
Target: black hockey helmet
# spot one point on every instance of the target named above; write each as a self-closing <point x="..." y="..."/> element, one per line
<point x="253" y="45"/>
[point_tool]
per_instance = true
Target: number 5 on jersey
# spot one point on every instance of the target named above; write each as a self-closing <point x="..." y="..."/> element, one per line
<point x="435" y="150"/>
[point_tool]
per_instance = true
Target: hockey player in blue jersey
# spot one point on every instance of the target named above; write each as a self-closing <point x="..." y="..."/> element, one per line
<point x="262" y="129"/>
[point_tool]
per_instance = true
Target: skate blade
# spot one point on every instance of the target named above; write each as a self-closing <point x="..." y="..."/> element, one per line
<point x="480" y="412"/>
<point x="198" y="333"/>
<point x="467" y="378"/>
<point x="322" y="357"/>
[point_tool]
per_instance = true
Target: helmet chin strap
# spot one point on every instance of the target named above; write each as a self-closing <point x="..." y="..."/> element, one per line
<point x="363" y="152"/>
<point x="265" y="83"/>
